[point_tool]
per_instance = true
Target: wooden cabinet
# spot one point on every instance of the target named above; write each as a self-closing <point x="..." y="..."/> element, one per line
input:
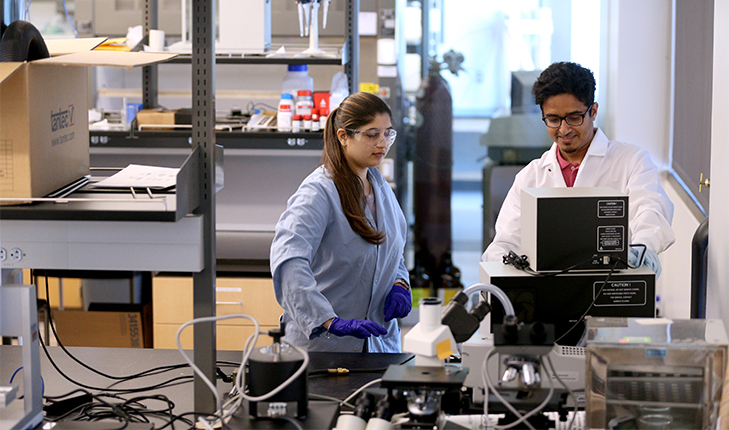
<point x="172" y="306"/>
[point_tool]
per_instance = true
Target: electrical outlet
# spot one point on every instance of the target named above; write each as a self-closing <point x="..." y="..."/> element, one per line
<point x="16" y="254"/>
<point x="3" y="254"/>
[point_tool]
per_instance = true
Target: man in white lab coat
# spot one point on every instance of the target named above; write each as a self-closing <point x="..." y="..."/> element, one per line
<point x="582" y="156"/>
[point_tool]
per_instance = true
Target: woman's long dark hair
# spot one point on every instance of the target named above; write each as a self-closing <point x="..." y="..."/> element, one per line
<point x="355" y="111"/>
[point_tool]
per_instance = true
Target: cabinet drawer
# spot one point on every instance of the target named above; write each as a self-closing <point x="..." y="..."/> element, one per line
<point x="228" y="338"/>
<point x="172" y="300"/>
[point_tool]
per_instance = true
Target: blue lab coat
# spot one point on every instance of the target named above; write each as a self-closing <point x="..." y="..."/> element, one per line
<point x="322" y="269"/>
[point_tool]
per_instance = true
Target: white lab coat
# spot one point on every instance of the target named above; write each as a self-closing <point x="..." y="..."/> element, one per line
<point x="608" y="163"/>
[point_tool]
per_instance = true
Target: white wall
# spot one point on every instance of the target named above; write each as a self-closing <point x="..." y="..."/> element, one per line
<point x="674" y="285"/>
<point x="638" y="75"/>
<point x="718" y="293"/>
<point x="636" y="107"/>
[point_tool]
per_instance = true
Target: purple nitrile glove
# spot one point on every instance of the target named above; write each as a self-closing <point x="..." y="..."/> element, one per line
<point x="398" y="303"/>
<point x="361" y="329"/>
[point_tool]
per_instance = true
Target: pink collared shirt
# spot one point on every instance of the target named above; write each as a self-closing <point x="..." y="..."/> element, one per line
<point x="569" y="170"/>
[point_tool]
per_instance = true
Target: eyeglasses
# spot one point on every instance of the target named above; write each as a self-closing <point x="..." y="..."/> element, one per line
<point x="374" y="136"/>
<point x="574" y="119"/>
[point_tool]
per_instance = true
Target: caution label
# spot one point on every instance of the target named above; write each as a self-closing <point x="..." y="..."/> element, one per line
<point x="610" y="208"/>
<point x="610" y="238"/>
<point x="620" y="293"/>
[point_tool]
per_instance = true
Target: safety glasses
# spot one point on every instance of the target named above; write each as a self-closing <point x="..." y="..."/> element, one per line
<point x="374" y="136"/>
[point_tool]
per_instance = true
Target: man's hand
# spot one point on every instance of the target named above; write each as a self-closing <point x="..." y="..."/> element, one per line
<point x="398" y="303"/>
<point x="361" y="329"/>
<point x="642" y="255"/>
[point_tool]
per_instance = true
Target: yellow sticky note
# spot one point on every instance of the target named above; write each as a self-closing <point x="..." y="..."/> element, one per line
<point x="443" y="349"/>
<point x="369" y="87"/>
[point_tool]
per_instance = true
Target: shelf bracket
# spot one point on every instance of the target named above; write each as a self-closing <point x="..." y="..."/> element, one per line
<point x="203" y="140"/>
<point x="149" y="73"/>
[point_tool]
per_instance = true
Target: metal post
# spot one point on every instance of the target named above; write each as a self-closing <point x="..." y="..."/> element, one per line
<point x="19" y="318"/>
<point x="699" y="246"/>
<point x="150" y="79"/>
<point x="351" y="69"/>
<point x="203" y="139"/>
<point x="12" y="10"/>
<point x="425" y="41"/>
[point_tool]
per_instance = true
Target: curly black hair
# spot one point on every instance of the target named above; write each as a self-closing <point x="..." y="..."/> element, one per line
<point x="565" y="77"/>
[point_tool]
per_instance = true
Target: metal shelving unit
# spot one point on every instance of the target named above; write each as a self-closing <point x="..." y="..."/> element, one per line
<point x="203" y="139"/>
<point x="229" y="140"/>
<point x="338" y="60"/>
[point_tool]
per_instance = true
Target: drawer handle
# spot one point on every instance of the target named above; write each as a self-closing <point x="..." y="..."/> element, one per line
<point x="228" y="303"/>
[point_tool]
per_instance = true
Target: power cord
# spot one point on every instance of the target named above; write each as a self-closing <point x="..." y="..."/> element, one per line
<point x="95" y="407"/>
<point x="599" y="292"/>
<point x="119" y="379"/>
<point x="642" y="254"/>
<point x="521" y="262"/>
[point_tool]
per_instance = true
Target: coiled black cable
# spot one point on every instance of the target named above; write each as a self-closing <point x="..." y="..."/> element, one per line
<point x="21" y="41"/>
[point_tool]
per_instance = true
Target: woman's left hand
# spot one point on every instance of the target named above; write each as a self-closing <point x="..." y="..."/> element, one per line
<point x="398" y="303"/>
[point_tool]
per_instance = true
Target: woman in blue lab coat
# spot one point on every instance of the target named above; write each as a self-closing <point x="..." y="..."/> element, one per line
<point x="337" y="254"/>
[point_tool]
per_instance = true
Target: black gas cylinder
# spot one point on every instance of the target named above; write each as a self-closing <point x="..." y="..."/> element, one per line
<point x="432" y="166"/>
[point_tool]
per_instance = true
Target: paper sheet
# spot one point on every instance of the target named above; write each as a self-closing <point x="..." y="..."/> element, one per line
<point x="139" y="176"/>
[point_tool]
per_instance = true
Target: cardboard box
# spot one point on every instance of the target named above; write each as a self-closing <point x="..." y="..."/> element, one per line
<point x="165" y="117"/>
<point x="109" y="325"/>
<point x="44" y="133"/>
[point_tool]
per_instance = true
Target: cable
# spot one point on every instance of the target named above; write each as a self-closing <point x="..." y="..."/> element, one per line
<point x="73" y="26"/>
<point x="521" y="262"/>
<point x="181" y="417"/>
<point x="569" y="392"/>
<point x="149" y="372"/>
<point x="333" y="399"/>
<point x="579" y="320"/>
<point x="43" y="384"/>
<point x="15" y="373"/>
<point x="251" y="106"/>
<point x="641" y="257"/>
<point x="535" y="410"/>
<point x="196" y="369"/>
<point x="169" y="383"/>
<point x="521" y="418"/>
<point x="494" y="291"/>
<point x="407" y="360"/>
<point x="232" y="405"/>
<point x="128" y="410"/>
<point x="489" y="386"/>
<point x="241" y="377"/>
<point x="119" y="379"/>
<point x="360" y="389"/>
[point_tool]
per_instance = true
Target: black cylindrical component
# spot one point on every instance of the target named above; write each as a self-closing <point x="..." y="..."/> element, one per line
<point x="432" y="166"/>
<point x="699" y="245"/>
<point x="384" y="409"/>
<point x="481" y="310"/>
<point x="364" y="406"/>
<point x="511" y="329"/>
<point x="267" y="370"/>
<point x="461" y="298"/>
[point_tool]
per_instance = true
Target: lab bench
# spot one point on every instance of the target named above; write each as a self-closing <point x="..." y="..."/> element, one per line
<point x="126" y="361"/>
